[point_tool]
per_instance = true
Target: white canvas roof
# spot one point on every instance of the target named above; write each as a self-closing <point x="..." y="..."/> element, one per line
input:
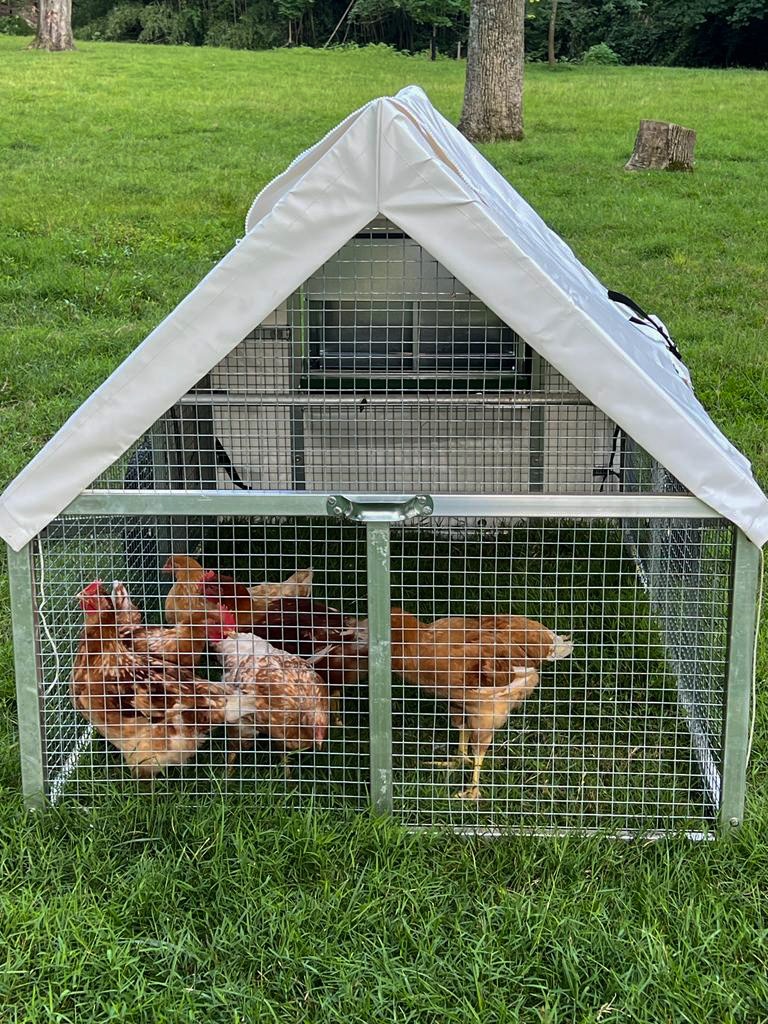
<point x="397" y="156"/>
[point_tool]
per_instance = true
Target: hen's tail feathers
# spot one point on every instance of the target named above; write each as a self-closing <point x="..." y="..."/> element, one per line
<point x="562" y="647"/>
<point x="524" y="676"/>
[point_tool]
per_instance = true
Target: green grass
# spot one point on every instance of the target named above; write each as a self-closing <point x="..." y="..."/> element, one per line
<point x="127" y="173"/>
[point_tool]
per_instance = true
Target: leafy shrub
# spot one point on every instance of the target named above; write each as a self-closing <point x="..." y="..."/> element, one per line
<point x="249" y="32"/>
<point x="13" y="25"/>
<point x="92" y="30"/>
<point x="123" y="23"/>
<point x="161" y="24"/>
<point x="601" y="53"/>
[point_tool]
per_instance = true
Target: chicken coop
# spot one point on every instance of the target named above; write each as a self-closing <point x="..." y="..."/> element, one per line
<point x="400" y="436"/>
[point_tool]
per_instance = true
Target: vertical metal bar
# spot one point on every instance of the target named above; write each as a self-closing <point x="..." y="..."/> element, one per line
<point x="741" y="649"/>
<point x="537" y="415"/>
<point x="299" y="334"/>
<point x="415" y="339"/>
<point x="380" y="666"/>
<point x="21" y="578"/>
<point x="203" y="437"/>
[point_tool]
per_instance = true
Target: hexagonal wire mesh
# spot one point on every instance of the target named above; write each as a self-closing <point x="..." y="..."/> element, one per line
<point x="383" y="376"/>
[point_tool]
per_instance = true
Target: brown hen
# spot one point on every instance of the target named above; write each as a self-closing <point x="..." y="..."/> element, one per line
<point x="157" y="714"/>
<point x="481" y="678"/>
<point x="245" y="602"/>
<point x="335" y="645"/>
<point x="182" y="644"/>
<point x="292" y="704"/>
<point x="184" y="598"/>
<point x="536" y="641"/>
<point x="249" y="604"/>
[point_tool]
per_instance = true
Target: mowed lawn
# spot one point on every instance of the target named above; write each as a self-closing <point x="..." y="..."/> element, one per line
<point x="126" y="174"/>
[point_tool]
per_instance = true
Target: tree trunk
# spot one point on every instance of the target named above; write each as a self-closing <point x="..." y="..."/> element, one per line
<point x="493" y="94"/>
<point x="433" y="44"/>
<point x="54" y="25"/>
<point x="551" y="35"/>
<point x="662" y="146"/>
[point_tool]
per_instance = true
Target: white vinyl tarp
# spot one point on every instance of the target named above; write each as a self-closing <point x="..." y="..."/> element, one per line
<point x="399" y="157"/>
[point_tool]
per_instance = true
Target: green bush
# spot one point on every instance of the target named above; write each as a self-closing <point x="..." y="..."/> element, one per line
<point x="601" y="53"/>
<point x="252" y="31"/>
<point x="123" y="23"/>
<point x="162" y="24"/>
<point x="13" y="25"/>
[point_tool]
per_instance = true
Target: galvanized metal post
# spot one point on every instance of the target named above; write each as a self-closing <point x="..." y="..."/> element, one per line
<point x="741" y="649"/>
<point x="380" y="666"/>
<point x="21" y="578"/>
<point x="298" y="331"/>
<point x="537" y="424"/>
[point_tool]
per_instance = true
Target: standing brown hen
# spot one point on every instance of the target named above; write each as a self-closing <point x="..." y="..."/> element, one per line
<point x="536" y="641"/>
<point x="157" y="714"/>
<point x="481" y="674"/>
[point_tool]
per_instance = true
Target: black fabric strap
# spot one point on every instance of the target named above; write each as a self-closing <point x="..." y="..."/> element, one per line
<point x="645" y="320"/>
<point x="626" y="301"/>
<point x="223" y="459"/>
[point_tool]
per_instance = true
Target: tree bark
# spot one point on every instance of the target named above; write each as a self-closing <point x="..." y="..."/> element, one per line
<point x="493" y="94"/>
<point x="54" y="25"/>
<point x="662" y="146"/>
<point x="551" y="34"/>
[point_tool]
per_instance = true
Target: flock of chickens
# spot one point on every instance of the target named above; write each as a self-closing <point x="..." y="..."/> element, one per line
<point x="286" y="663"/>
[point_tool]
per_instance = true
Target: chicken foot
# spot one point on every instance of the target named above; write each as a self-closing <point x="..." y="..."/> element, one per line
<point x="474" y="791"/>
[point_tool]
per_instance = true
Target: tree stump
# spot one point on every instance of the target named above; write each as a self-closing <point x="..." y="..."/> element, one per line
<point x="662" y="146"/>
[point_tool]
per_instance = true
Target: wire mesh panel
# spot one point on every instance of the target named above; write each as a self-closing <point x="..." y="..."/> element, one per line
<point x="315" y="752"/>
<point x="383" y="373"/>
<point x="617" y="727"/>
<point x="592" y="698"/>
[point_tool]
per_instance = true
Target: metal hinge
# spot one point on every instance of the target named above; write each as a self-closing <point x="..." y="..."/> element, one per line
<point x="380" y="511"/>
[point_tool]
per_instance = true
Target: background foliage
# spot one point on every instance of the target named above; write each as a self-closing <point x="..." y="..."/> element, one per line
<point x="691" y="33"/>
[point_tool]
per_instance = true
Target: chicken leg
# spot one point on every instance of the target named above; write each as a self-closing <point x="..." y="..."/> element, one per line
<point x="462" y="753"/>
<point x="473" y="792"/>
<point x="481" y="739"/>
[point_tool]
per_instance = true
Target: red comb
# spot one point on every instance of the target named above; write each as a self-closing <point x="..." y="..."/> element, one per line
<point x="208" y="575"/>
<point x="228" y="620"/>
<point x="226" y="624"/>
<point x="93" y="588"/>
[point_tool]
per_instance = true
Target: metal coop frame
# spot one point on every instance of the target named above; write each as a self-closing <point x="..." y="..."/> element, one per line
<point x="384" y="427"/>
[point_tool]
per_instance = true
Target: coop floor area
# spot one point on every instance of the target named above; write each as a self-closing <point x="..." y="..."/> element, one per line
<point x="621" y="737"/>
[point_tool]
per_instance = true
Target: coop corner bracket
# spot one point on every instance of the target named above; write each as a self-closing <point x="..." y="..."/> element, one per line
<point x="417" y="507"/>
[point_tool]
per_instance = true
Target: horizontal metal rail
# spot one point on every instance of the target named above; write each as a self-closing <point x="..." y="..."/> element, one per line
<point x="622" y="834"/>
<point x="263" y="399"/>
<point x="306" y="503"/>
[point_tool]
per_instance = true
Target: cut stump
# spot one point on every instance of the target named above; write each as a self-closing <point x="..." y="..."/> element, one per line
<point x="662" y="146"/>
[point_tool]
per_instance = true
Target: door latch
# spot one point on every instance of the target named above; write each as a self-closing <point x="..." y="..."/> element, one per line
<point x="380" y="511"/>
